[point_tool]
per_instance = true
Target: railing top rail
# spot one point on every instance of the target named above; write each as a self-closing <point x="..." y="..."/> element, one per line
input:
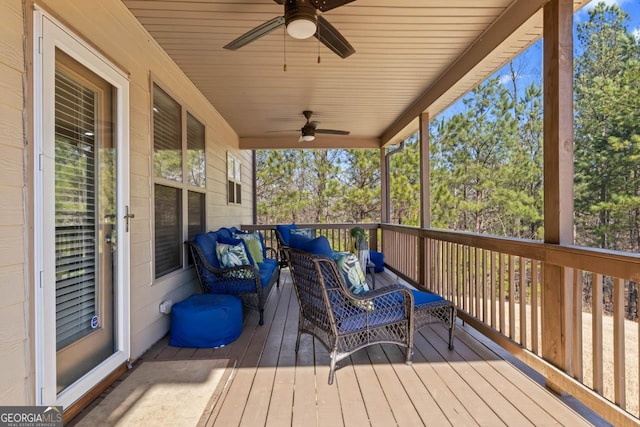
<point x="344" y="226"/>
<point x="611" y="263"/>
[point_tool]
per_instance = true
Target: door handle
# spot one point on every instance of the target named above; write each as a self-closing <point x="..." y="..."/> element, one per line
<point x="127" y="217"/>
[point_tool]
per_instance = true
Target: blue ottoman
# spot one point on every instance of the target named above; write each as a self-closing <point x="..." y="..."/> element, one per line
<point x="205" y="321"/>
<point x="377" y="258"/>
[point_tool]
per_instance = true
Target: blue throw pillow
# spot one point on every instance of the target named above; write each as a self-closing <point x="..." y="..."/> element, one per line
<point x="318" y="246"/>
<point x="352" y="273"/>
<point x="254" y="245"/>
<point x="285" y="231"/>
<point x="230" y="255"/>
<point x="306" y="232"/>
<point x="233" y="242"/>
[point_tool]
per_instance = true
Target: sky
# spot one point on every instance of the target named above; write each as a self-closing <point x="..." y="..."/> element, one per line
<point x="529" y="63"/>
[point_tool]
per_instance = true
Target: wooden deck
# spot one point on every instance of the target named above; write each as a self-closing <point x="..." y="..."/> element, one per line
<point x="270" y="386"/>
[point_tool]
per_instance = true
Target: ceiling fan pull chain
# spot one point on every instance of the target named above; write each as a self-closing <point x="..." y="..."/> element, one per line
<point x="318" y="43"/>
<point x="284" y="42"/>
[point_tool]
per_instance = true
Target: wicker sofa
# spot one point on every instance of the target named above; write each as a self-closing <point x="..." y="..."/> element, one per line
<point x="252" y="283"/>
<point x="344" y="322"/>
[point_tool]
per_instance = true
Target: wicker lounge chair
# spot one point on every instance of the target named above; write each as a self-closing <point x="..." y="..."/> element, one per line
<point x="345" y="323"/>
<point x="251" y="283"/>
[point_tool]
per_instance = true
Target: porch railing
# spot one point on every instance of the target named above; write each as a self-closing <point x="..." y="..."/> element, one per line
<point x="496" y="284"/>
<point x="338" y="234"/>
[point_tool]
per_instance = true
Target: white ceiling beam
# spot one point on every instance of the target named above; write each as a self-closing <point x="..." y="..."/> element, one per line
<point x="322" y="141"/>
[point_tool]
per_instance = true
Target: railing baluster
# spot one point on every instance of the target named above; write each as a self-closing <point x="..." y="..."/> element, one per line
<point x="502" y="294"/>
<point x="493" y="288"/>
<point x="463" y="276"/>
<point x="534" y="307"/>
<point x="483" y="283"/>
<point x="596" y="330"/>
<point x="619" y="373"/>
<point x="523" y="302"/>
<point x="512" y="302"/>
<point x="578" y="370"/>
<point x="477" y="275"/>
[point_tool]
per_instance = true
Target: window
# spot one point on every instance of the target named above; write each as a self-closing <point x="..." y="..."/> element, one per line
<point x="179" y="171"/>
<point x="234" y="185"/>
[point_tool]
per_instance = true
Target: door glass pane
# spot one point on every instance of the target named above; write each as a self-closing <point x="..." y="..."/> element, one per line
<point x="195" y="152"/>
<point x="76" y="261"/>
<point x="167" y="136"/>
<point x="168" y="242"/>
<point x="85" y="207"/>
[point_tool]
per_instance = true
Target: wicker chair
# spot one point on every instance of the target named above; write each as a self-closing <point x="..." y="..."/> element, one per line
<point x="244" y="281"/>
<point x="282" y="246"/>
<point x="344" y="322"/>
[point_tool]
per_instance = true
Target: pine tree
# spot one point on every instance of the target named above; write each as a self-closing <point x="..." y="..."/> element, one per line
<point x="607" y="131"/>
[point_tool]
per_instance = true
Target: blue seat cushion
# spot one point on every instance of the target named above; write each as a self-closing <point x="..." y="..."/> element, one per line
<point x="207" y="243"/>
<point x="360" y="318"/>
<point x="224" y="232"/>
<point x="421" y="298"/>
<point x="206" y="321"/>
<point x="285" y="231"/>
<point x="297" y="241"/>
<point x="366" y="319"/>
<point x="273" y="262"/>
<point x="318" y="246"/>
<point x="267" y="269"/>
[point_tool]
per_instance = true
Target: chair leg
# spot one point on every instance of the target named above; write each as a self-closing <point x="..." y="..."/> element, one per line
<point x="332" y="368"/>
<point x="298" y="341"/>
<point x="409" y="356"/>
<point x="452" y="328"/>
<point x="261" y="322"/>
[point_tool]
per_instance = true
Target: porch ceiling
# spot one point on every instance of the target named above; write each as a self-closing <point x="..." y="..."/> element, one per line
<point x="411" y="56"/>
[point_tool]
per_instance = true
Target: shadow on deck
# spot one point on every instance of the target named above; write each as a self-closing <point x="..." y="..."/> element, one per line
<point x="272" y="386"/>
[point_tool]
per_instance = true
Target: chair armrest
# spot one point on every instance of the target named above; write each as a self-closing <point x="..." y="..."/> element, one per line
<point x="241" y="273"/>
<point x="271" y="252"/>
<point x="389" y="295"/>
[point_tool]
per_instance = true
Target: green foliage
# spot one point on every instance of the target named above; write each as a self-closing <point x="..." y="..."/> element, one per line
<point x="486" y="159"/>
<point x="607" y="137"/>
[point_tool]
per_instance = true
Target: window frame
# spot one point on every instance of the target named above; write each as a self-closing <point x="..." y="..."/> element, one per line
<point x="183" y="186"/>
<point x="234" y="176"/>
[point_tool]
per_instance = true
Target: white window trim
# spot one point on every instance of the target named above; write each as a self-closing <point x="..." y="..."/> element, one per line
<point x="50" y="34"/>
<point x="172" y="278"/>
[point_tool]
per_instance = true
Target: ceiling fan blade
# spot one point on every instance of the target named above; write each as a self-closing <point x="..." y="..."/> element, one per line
<point x="279" y="1"/>
<point x="256" y="33"/>
<point x="333" y="131"/>
<point x="332" y="38"/>
<point x="325" y="5"/>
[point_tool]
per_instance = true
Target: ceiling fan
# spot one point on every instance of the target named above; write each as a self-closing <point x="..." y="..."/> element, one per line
<point x="309" y="130"/>
<point x="302" y="21"/>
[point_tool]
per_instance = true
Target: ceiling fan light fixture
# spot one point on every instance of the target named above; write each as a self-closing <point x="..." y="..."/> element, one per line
<point x="301" y="28"/>
<point x="308" y="138"/>
<point x="300" y="18"/>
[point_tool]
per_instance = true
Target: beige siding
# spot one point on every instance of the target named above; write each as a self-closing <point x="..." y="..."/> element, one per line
<point x="110" y="26"/>
<point x="13" y="323"/>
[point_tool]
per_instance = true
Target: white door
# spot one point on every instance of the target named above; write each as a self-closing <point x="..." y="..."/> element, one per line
<point x="83" y="187"/>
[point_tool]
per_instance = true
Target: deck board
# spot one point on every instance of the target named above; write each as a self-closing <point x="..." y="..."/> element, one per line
<point x="272" y="386"/>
